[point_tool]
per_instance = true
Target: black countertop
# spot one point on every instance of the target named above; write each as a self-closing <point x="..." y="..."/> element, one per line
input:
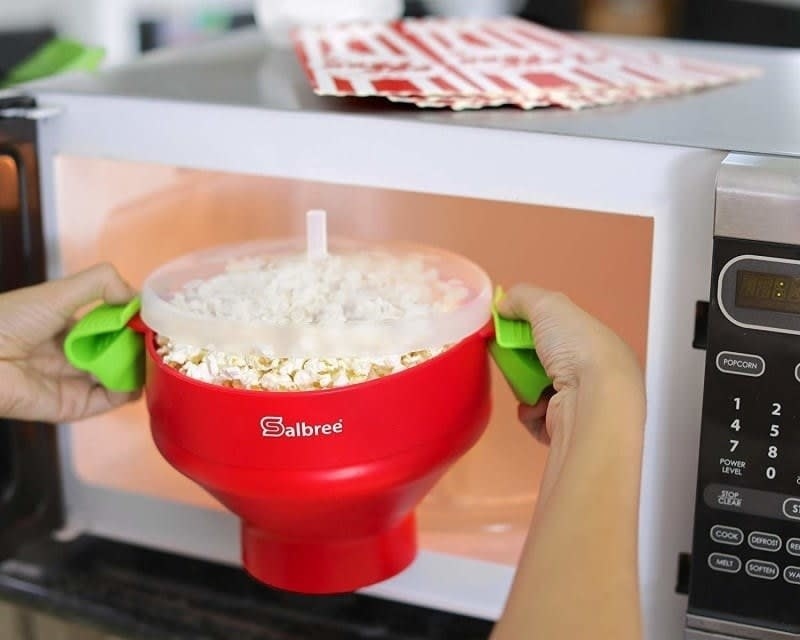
<point x="140" y="593"/>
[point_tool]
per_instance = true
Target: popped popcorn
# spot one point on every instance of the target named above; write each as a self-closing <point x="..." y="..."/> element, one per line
<point x="369" y="286"/>
<point x="283" y="374"/>
<point x="364" y="286"/>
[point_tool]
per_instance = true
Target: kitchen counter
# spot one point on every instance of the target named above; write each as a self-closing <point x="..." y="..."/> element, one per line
<point x="138" y="593"/>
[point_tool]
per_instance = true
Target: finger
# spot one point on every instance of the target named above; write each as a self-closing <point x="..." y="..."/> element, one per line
<point x="84" y="398"/>
<point x="52" y="362"/>
<point x="534" y="418"/>
<point x="531" y="303"/>
<point x="528" y="413"/>
<point x="101" y="282"/>
<point x="37" y="397"/>
<point x="538" y="429"/>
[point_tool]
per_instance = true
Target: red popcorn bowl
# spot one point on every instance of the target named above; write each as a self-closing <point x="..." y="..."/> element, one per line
<point x="325" y="479"/>
<point x="325" y="482"/>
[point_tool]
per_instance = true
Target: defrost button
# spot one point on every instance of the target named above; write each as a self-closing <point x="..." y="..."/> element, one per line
<point x="764" y="541"/>
<point x="740" y="364"/>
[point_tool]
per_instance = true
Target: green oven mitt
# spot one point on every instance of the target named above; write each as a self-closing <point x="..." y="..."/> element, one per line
<point x="513" y="351"/>
<point x="102" y="344"/>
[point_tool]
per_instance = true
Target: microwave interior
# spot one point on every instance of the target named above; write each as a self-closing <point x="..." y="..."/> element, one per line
<point x="139" y="216"/>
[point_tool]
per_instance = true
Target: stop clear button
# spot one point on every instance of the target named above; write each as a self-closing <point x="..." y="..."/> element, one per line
<point x="791" y="508"/>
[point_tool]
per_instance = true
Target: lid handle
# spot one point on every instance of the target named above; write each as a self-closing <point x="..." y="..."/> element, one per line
<point x="316" y="234"/>
<point x="513" y="350"/>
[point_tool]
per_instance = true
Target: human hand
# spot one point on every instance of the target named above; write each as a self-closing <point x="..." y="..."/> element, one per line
<point x="576" y="350"/>
<point x="38" y="382"/>
<point x="593" y="422"/>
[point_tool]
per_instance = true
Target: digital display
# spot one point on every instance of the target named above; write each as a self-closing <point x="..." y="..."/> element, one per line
<point x="768" y="291"/>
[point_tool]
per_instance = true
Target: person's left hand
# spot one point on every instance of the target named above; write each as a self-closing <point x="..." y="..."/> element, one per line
<point x="36" y="381"/>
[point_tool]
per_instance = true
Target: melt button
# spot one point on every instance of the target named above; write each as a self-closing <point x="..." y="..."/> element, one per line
<point x="724" y="562"/>
<point x="742" y="364"/>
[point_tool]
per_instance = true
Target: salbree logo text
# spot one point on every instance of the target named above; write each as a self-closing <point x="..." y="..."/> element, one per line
<point x="274" y="427"/>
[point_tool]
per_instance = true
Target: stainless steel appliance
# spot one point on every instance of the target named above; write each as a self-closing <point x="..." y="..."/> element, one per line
<point x="746" y="550"/>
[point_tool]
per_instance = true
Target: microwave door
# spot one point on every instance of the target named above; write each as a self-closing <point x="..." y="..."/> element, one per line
<point x="30" y="493"/>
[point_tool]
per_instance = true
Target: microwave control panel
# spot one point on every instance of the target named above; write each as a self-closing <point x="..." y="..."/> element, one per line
<point x="746" y="546"/>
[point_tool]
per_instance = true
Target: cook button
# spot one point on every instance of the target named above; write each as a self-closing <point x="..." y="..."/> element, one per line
<point x="724" y="562"/>
<point x="793" y="546"/>
<point x="742" y="364"/>
<point x="792" y="574"/>
<point x="762" y="569"/>
<point x="727" y="535"/>
<point x="791" y="508"/>
<point x="764" y="541"/>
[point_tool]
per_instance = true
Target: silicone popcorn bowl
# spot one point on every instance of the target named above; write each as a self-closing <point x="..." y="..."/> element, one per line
<point x="325" y="482"/>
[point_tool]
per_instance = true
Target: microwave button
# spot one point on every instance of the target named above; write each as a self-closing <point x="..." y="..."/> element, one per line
<point x="793" y="546"/>
<point x="792" y="574"/>
<point x="728" y="535"/>
<point x="762" y="569"/>
<point x="791" y="508"/>
<point x="764" y="541"/>
<point x="741" y="364"/>
<point x="724" y="562"/>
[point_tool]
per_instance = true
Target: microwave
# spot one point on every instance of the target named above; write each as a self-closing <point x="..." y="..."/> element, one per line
<point x="642" y="213"/>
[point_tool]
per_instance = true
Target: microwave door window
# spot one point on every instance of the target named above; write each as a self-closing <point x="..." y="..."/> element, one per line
<point x="480" y="509"/>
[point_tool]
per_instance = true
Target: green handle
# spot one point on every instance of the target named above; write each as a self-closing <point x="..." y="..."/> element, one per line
<point x="102" y="344"/>
<point x="514" y="352"/>
<point x="523" y="372"/>
<point x="56" y="56"/>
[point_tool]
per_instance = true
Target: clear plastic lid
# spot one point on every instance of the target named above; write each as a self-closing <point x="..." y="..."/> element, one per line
<point x="311" y="298"/>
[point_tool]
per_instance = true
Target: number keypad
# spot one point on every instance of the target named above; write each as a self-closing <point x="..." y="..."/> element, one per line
<point x="751" y="440"/>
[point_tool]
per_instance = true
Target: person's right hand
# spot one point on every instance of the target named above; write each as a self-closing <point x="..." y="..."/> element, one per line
<point x="576" y="350"/>
<point x="581" y="552"/>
